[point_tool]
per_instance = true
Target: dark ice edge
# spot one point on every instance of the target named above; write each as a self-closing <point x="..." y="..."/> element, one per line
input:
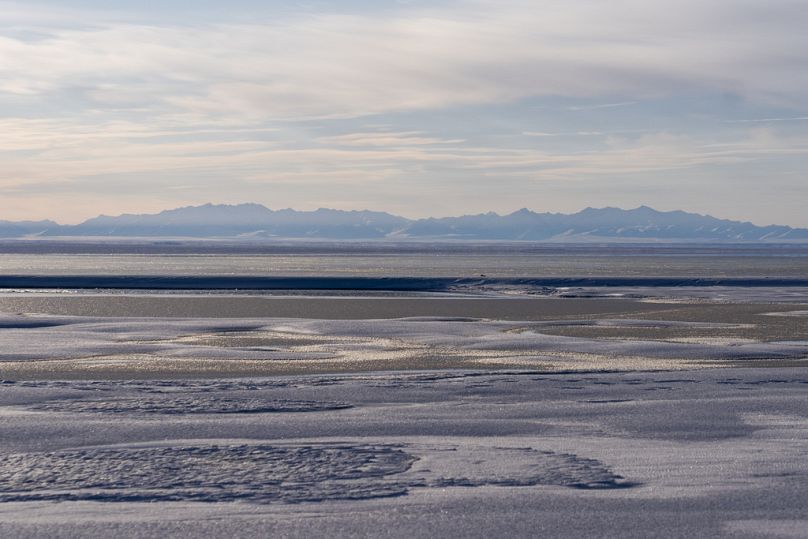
<point x="397" y="284"/>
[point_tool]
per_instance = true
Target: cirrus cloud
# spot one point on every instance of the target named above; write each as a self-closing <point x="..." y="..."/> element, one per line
<point x="335" y="65"/>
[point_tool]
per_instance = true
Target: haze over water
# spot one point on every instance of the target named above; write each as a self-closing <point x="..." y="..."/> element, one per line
<point x="431" y="261"/>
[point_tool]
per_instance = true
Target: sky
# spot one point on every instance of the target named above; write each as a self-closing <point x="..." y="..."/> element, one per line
<point x="413" y="107"/>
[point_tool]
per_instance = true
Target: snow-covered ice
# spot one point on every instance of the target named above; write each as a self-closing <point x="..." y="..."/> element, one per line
<point x="673" y="423"/>
<point x="125" y="347"/>
<point x="408" y="454"/>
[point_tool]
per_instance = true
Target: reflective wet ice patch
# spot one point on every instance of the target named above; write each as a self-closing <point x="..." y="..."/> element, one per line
<point x="187" y="405"/>
<point x="208" y="473"/>
<point x="266" y="473"/>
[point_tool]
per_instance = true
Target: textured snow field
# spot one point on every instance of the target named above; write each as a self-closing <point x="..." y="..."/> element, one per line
<point x="681" y="422"/>
<point x="41" y="346"/>
<point x="710" y="452"/>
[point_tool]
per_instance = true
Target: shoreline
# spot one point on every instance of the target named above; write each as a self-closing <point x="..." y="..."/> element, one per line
<point x="390" y="284"/>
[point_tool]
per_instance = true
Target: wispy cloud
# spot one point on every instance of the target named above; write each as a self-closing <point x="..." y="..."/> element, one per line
<point x="586" y="133"/>
<point x="769" y="120"/>
<point x="574" y="134"/>
<point x="540" y="134"/>
<point x="387" y="104"/>
<point x="386" y="139"/>
<point x="602" y="106"/>
<point x="332" y="65"/>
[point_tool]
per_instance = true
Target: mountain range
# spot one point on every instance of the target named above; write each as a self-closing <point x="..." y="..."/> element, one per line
<point x="255" y="221"/>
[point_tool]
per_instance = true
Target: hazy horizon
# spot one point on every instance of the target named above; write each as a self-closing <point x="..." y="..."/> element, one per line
<point x="411" y="107"/>
<point x="408" y="217"/>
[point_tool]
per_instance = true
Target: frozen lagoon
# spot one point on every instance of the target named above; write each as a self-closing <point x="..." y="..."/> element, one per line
<point x="555" y="417"/>
<point x="710" y="452"/>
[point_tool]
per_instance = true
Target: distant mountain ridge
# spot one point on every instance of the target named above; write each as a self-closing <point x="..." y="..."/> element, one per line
<point x="220" y="220"/>
<point x="257" y="221"/>
<point x="12" y="229"/>
<point x="596" y="224"/>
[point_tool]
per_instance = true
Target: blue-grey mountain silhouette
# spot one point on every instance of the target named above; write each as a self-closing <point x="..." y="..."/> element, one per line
<point x="256" y="221"/>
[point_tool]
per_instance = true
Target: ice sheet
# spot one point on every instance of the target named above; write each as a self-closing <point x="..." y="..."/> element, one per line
<point x="717" y="452"/>
<point x="31" y="344"/>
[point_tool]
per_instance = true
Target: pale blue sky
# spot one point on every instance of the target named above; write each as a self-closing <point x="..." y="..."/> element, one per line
<point x="418" y="108"/>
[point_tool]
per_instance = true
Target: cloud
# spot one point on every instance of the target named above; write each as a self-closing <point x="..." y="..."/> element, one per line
<point x="386" y="139"/>
<point x="573" y="134"/>
<point x="42" y="151"/>
<point x="541" y="134"/>
<point x="320" y="104"/>
<point x="767" y="120"/>
<point x="602" y="106"/>
<point x="332" y="65"/>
